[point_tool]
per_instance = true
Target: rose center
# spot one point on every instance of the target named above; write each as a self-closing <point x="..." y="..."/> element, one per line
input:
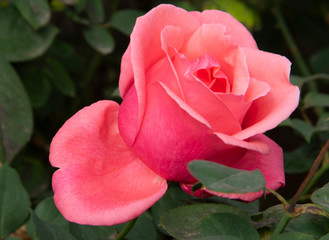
<point x="214" y="78"/>
<point x="208" y="70"/>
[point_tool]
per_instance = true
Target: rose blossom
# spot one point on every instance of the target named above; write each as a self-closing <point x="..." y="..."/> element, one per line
<point x="194" y="86"/>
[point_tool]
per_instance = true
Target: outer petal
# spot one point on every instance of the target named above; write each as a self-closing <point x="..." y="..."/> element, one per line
<point x="239" y="33"/>
<point x="270" y="165"/>
<point x="268" y="111"/>
<point x="100" y="181"/>
<point x="172" y="135"/>
<point x="144" y="50"/>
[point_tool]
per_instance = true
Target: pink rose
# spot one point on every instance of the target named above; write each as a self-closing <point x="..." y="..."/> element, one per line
<point x="194" y="86"/>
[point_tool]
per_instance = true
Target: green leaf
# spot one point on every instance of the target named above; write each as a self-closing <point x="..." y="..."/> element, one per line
<point x="46" y="211"/>
<point x="174" y="197"/>
<point x="302" y="127"/>
<point x="321" y="197"/>
<point x="36" y="12"/>
<point x="18" y="40"/>
<point x="82" y="232"/>
<point x="143" y="229"/>
<point x="16" y="120"/>
<point x="314" y="99"/>
<point x="37" y="86"/>
<point x="65" y="53"/>
<point x="311" y="224"/>
<point x="100" y="39"/>
<point x="185" y="222"/>
<point x="106" y="232"/>
<point x="314" y="225"/>
<point x="49" y="231"/>
<point x="217" y="238"/>
<point x="323" y="123"/>
<point x="124" y="20"/>
<point x="249" y="207"/>
<point x="325" y="237"/>
<point x="95" y="11"/>
<point x="14" y="201"/>
<point x="228" y="224"/>
<point x="33" y="169"/>
<point x="220" y="178"/>
<point x="295" y="236"/>
<point x="58" y="75"/>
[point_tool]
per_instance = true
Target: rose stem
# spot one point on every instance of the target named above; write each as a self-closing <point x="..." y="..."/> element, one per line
<point x="308" y="178"/>
<point x="281" y="225"/>
<point x="314" y="179"/>
<point x="126" y="229"/>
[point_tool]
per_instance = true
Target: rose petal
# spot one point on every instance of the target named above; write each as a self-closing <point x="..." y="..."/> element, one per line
<point x="100" y="181"/>
<point x="172" y="39"/>
<point x="171" y="136"/>
<point x="254" y="145"/>
<point x="267" y="112"/>
<point x="236" y="104"/>
<point x="239" y="34"/>
<point x="200" y="98"/>
<point x="210" y="39"/>
<point x="256" y="90"/>
<point x="144" y="50"/>
<point x="270" y="165"/>
<point x="211" y="107"/>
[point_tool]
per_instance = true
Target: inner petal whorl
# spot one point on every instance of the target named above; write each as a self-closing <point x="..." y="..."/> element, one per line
<point x="209" y="71"/>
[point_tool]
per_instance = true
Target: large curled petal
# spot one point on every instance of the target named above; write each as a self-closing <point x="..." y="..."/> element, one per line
<point x="270" y="165"/>
<point x="239" y="33"/>
<point x="100" y="181"/>
<point x="172" y="134"/>
<point x="268" y="111"/>
<point x="144" y="51"/>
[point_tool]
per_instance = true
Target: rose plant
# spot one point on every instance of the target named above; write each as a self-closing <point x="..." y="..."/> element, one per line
<point x="194" y="86"/>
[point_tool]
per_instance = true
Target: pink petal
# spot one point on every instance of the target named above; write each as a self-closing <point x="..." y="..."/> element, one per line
<point x="239" y="33"/>
<point x="145" y="41"/>
<point x="171" y="135"/>
<point x="199" y="97"/>
<point x="145" y="48"/>
<point x="254" y="145"/>
<point x="267" y="112"/>
<point x="211" y="107"/>
<point x="210" y="39"/>
<point x="100" y="181"/>
<point x="256" y="90"/>
<point x="236" y="104"/>
<point x="270" y="165"/>
<point x="172" y="39"/>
